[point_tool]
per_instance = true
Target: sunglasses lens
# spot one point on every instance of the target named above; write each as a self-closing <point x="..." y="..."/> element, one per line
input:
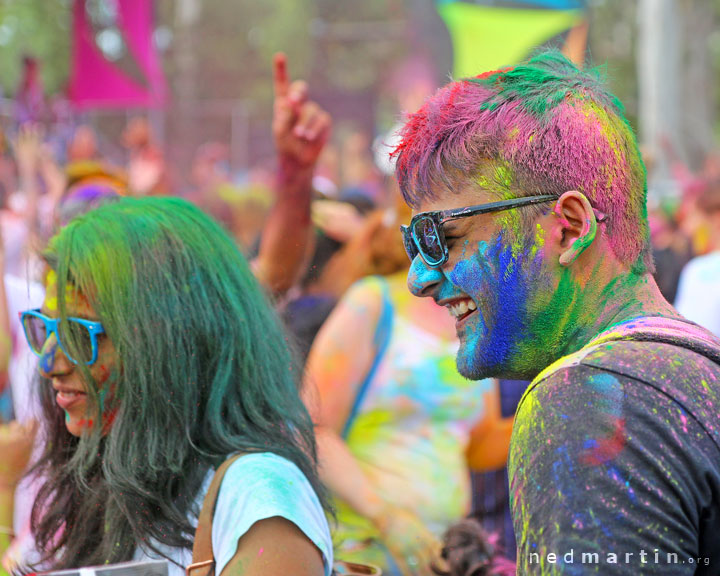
<point x="428" y="239"/>
<point x="77" y="342"/>
<point x="410" y="248"/>
<point x="35" y="332"/>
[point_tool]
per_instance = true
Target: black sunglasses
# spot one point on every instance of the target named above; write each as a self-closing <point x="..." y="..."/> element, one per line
<point x="425" y="235"/>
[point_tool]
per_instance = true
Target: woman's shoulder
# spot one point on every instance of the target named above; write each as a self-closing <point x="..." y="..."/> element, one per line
<point x="263" y="469"/>
<point x="264" y="481"/>
<point x="371" y="288"/>
<point x="361" y="305"/>
<point x="264" y="485"/>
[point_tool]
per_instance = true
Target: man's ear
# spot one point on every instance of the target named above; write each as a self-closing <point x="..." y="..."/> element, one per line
<point x="578" y="224"/>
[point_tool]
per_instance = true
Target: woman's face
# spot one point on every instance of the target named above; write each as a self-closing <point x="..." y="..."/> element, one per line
<point x="67" y="378"/>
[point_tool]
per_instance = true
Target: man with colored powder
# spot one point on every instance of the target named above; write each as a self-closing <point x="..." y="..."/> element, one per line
<point x="530" y="226"/>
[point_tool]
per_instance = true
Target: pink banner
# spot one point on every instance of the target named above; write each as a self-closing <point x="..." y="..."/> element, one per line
<point x="114" y="62"/>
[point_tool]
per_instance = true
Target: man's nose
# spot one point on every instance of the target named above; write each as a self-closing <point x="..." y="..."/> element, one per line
<point x="422" y="280"/>
<point x="53" y="361"/>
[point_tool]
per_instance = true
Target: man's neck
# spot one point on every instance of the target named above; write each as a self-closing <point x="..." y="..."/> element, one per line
<point x="625" y="297"/>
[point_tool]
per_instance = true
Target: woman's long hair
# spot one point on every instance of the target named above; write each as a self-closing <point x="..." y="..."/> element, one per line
<point x="203" y="370"/>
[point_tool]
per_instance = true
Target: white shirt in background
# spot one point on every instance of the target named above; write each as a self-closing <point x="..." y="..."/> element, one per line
<point x="698" y="295"/>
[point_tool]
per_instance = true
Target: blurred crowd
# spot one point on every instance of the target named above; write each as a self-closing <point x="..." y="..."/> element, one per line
<point x="395" y="422"/>
<point x="346" y="287"/>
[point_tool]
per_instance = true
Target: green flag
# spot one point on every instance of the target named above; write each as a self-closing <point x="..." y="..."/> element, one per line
<point x="489" y="37"/>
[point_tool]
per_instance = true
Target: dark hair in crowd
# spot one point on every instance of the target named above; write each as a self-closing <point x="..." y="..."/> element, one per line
<point x="469" y="551"/>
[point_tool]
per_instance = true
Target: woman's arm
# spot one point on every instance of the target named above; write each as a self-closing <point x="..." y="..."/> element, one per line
<point x="342" y="354"/>
<point x="338" y="363"/>
<point x="275" y="547"/>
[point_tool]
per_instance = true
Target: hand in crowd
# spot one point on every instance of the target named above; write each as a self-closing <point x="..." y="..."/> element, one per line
<point x="16" y="442"/>
<point x="300" y="127"/>
<point x="412" y="546"/>
<point x="52" y="174"/>
<point x="28" y="149"/>
<point x="338" y="220"/>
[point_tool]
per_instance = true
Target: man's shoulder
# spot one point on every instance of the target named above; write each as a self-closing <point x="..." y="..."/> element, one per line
<point x="652" y="362"/>
<point x="690" y="380"/>
<point x="665" y="364"/>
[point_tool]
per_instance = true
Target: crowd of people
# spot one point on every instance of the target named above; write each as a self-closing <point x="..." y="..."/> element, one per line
<point x="265" y="377"/>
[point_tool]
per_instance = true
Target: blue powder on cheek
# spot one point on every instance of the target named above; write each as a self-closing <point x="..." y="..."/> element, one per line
<point x="493" y="277"/>
<point x="472" y="276"/>
<point x="511" y="293"/>
<point x="419" y="276"/>
<point x="47" y="359"/>
<point x="472" y="273"/>
<point x="469" y="276"/>
<point x="465" y="245"/>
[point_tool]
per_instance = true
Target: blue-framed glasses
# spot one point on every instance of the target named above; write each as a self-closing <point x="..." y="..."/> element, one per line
<point x="82" y="337"/>
<point x="425" y="235"/>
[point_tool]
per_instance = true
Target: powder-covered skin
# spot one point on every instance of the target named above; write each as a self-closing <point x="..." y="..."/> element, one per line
<point x="527" y="316"/>
<point x="616" y="450"/>
<point x="63" y="375"/>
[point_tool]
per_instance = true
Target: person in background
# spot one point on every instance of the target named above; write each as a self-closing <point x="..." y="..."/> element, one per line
<point x="672" y="250"/>
<point x="469" y="550"/>
<point x="147" y="171"/>
<point x="392" y="415"/>
<point x="83" y="146"/>
<point x="329" y="272"/>
<point x="698" y="296"/>
<point x="300" y="129"/>
<point x="214" y="190"/>
<point x="30" y="106"/>
<point x="17" y="419"/>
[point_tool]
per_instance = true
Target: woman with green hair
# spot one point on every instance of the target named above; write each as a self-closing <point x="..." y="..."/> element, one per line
<point x="159" y="358"/>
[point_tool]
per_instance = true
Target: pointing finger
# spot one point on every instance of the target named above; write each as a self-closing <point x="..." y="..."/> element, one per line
<point x="281" y="84"/>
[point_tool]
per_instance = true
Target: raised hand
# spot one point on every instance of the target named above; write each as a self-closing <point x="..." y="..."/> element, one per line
<point x="300" y="126"/>
<point x="28" y="149"/>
